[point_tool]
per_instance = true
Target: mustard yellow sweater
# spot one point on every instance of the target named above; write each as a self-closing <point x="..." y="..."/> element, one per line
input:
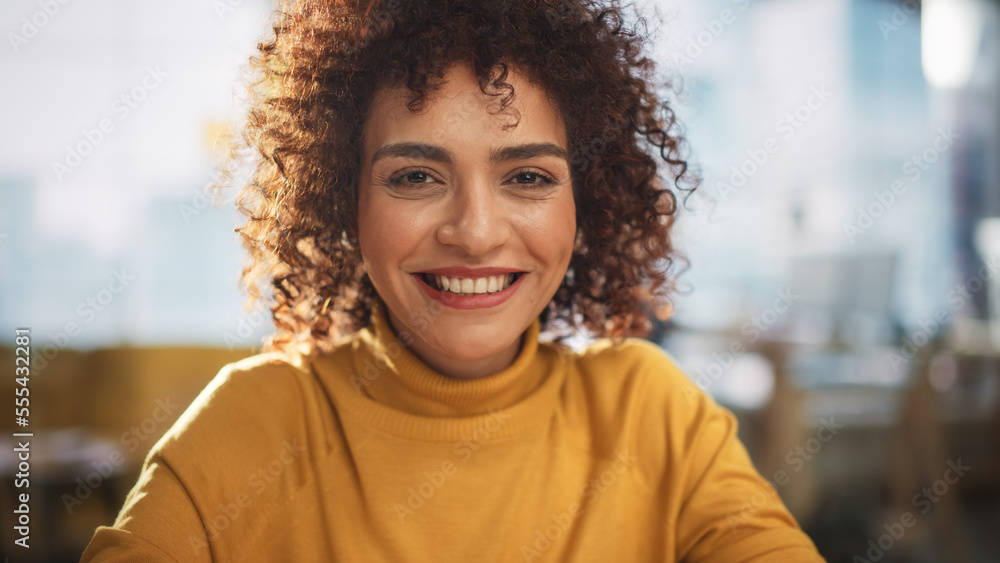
<point x="366" y="454"/>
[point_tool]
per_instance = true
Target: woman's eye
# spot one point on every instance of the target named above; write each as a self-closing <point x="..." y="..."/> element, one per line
<point x="414" y="177"/>
<point x="532" y="178"/>
<point x="524" y="178"/>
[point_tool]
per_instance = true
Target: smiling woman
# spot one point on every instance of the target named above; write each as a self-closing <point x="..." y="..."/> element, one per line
<point x="486" y="209"/>
<point x="436" y="184"/>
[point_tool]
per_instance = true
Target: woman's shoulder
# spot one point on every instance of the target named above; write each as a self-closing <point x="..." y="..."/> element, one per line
<point x="636" y="377"/>
<point x="630" y="361"/>
<point x="628" y="349"/>
<point x="266" y="381"/>
<point x="634" y="395"/>
<point x="260" y="403"/>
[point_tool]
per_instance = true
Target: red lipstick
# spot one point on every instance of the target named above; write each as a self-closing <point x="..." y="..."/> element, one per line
<point x="480" y="301"/>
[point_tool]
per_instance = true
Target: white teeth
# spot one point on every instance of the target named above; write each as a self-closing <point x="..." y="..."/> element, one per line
<point x="490" y="284"/>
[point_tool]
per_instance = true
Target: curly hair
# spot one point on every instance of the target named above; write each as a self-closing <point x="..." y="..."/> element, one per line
<point x="312" y="86"/>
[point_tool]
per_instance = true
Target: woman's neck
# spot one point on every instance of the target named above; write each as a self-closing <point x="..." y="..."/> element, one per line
<point x="459" y="368"/>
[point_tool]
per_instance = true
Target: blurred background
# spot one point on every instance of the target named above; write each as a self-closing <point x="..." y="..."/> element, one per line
<point x="842" y="297"/>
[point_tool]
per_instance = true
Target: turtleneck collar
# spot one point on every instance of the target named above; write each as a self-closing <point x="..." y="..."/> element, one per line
<point x="399" y="379"/>
<point x="379" y="379"/>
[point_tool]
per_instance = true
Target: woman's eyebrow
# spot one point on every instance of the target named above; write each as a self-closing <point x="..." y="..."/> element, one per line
<point x="524" y="152"/>
<point x="440" y="154"/>
<point x="413" y="150"/>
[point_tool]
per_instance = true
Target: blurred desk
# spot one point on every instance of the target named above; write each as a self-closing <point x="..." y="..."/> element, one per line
<point x="916" y="404"/>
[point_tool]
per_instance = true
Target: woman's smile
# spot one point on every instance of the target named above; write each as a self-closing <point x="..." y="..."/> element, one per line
<point x="470" y="289"/>
<point x="465" y="216"/>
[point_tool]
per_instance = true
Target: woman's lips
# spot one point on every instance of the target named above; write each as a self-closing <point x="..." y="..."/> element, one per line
<point x="476" y="301"/>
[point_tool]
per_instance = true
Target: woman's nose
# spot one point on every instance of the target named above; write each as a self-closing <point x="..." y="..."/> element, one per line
<point x="475" y="219"/>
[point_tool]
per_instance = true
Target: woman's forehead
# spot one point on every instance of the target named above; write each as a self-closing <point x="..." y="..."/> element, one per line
<point x="459" y="112"/>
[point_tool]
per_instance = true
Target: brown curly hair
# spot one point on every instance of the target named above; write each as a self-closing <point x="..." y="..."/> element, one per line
<point x="312" y="87"/>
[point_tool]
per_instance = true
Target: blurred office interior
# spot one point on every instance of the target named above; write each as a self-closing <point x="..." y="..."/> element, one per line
<point x="842" y="295"/>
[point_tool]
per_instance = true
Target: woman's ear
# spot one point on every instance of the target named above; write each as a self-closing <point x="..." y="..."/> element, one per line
<point x="578" y="243"/>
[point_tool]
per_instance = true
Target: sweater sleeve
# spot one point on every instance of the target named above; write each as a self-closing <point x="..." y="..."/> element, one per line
<point x="719" y="507"/>
<point x="197" y="481"/>
<point x="731" y="513"/>
<point x="157" y="523"/>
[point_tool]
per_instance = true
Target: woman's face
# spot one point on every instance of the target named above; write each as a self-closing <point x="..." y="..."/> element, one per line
<point x="449" y="194"/>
